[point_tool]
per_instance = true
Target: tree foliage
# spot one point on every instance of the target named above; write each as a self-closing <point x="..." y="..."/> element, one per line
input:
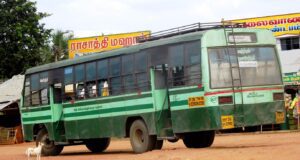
<point x="22" y="37"/>
<point x="58" y="46"/>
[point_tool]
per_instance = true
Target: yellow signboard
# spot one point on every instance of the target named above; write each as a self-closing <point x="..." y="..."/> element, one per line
<point x="82" y="46"/>
<point x="278" y="24"/>
<point x="279" y="117"/>
<point x="196" y="101"/>
<point x="227" y="122"/>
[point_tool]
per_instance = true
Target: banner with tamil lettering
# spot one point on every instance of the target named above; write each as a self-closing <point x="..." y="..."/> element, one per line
<point x="278" y="24"/>
<point x="83" y="46"/>
<point x="291" y="78"/>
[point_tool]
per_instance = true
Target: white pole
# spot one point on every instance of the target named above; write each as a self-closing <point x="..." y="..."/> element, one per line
<point x="297" y="110"/>
<point x="298" y="122"/>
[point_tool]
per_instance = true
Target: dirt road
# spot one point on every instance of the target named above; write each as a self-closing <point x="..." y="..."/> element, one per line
<point x="254" y="146"/>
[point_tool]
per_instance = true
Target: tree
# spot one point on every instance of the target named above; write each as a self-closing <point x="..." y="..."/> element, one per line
<point x="57" y="48"/>
<point x="22" y="37"/>
<point x="60" y="44"/>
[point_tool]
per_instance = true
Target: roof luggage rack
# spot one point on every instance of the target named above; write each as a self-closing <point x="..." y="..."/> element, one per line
<point x="188" y="29"/>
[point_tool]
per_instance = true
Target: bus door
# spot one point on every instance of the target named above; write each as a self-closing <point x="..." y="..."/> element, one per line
<point x="57" y="111"/>
<point x="160" y="94"/>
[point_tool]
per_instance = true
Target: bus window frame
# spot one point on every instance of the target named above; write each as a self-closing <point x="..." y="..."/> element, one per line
<point x="241" y="46"/>
<point x="41" y="88"/>
<point x="127" y="89"/>
<point x="29" y="95"/>
<point x="64" y="98"/>
<point x="143" y="88"/>
<point x="36" y="91"/>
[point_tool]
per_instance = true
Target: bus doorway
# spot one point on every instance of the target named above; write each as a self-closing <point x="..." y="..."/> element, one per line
<point x="161" y="99"/>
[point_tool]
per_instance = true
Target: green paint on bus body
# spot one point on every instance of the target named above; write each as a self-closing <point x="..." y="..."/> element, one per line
<point x="186" y="120"/>
<point x="108" y="116"/>
<point x="209" y="118"/>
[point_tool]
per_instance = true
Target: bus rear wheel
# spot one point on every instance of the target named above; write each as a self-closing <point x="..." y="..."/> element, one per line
<point x="199" y="139"/>
<point x="48" y="148"/>
<point x="140" y="139"/>
<point x="97" y="145"/>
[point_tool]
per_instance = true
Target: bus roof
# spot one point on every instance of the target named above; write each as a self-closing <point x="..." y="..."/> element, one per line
<point x="127" y="50"/>
<point x="116" y="52"/>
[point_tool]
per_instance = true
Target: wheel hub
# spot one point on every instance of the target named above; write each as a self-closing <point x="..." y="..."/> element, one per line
<point x="139" y="135"/>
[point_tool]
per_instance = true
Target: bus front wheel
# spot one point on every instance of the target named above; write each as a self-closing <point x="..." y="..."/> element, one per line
<point x="140" y="139"/>
<point x="48" y="148"/>
<point x="97" y="145"/>
<point x="199" y="139"/>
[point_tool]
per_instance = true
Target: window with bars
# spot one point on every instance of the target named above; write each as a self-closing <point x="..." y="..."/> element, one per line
<point x="289" y="43"/>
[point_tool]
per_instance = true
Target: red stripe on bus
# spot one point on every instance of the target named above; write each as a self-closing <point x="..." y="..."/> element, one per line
<point x="244" y="90"/>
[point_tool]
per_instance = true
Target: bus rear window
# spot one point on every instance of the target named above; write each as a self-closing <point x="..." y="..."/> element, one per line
<point x="257" y="66"/>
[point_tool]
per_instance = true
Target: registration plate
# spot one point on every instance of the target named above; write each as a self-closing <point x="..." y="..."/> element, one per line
<point x="279" y="117"/>
<point x="227" y="122"/>
<point x="196" y="101"/>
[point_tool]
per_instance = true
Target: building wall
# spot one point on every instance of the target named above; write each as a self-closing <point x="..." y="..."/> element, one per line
<point x="290" y="59"/>
<point x="283" y="26"/>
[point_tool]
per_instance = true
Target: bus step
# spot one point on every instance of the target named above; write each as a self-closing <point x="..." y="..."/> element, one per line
<point x="167" y="138"/>
<point x="62" y="143"/>
<point x="166" y="132"/>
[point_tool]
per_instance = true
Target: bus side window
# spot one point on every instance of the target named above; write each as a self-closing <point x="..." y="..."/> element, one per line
<point x="79" y="82"/>
<point x="90" y="71"/>
<point x="35" y="94"/>
<point x="193" y="62"/>
<point x="141" y="76"/>
<point x="80" y="90"/>
<point x="115" y="84"/>
<point x="158" y="55"/>
<point x="68" y="84"/>
<point x="176" y="58"/>
<point x="103" y="88"/>
<point x="57" y="92"/>
<point x="56" y="79"/>
<point x="27" y="97"/>
<point x="102" y="73"/>
<point x="91" y="89"/>
<point x="127" y="73"/>
<point x="69" y="92"/>
<point x="143" y="83"/>
<point x="44" y="92"/>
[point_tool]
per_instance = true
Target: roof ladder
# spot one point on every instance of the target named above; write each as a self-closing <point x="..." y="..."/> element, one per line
<point x="183" y="30"/>
<point x="234" y="67"/>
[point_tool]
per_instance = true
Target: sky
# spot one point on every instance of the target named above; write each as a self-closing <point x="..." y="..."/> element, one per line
<point x="96" y="17"/>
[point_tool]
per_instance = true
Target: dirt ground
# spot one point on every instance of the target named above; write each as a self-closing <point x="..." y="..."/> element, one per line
<point x="250" y="146"/>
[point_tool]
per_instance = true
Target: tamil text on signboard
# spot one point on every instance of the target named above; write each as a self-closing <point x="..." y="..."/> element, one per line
<point x="83" y="46"/>
<point x="278" y="24"/>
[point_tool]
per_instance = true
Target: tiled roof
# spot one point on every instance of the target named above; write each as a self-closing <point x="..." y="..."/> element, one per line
<point x="11" y="90"/>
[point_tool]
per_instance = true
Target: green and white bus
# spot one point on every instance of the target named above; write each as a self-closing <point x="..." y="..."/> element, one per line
<point x="176" y="85"/>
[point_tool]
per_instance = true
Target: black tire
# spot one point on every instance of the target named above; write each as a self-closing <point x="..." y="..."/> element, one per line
<point x="188" y="140"/>
<point x="158" y="144"/>
<point x="49" y="148"/>
<point x="173" y="140"/>
<point x="199" y="139"/>
<point x="97" y="145"/>
<point x="140" y="139"/>
<point x="210" y="137"/>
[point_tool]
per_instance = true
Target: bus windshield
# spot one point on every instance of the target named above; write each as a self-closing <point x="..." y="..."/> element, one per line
<point x="257" y="66"/>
